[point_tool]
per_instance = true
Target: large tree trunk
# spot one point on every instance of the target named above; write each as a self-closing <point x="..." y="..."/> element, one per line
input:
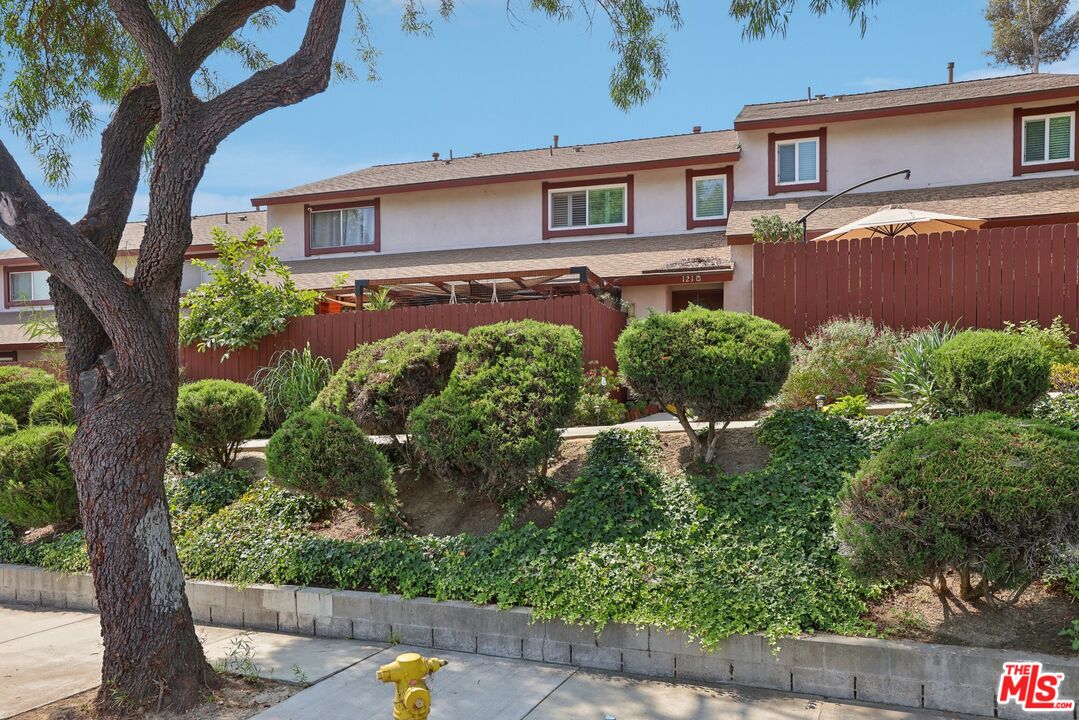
<point x="152" y="654"/>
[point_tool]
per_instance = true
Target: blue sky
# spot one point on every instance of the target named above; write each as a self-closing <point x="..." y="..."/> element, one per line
<point x="486" y="82"/>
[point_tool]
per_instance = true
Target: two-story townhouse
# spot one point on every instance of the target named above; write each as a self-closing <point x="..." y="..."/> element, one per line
<point x="667" y="220"/>
<point x="1000" y="149"/>
<point x="24" y="284"/>
<point x="646" y="216"/>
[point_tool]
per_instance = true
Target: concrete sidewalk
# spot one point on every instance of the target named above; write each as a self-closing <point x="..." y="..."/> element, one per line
<point x="47" y="655"/>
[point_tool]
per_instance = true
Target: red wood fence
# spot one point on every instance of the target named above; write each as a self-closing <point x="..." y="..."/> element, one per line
<point x="975" y="278"/>
<point x="334" y="335"/>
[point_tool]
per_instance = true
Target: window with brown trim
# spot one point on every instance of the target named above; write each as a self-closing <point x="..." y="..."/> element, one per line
<point x="28" y="286"/>
<point x="1045" y="139"/>
<point x="588" y="207"/>
<point x="343" y="227"/>
<point x="709" y="194"/>
<point x="797" y="161"/>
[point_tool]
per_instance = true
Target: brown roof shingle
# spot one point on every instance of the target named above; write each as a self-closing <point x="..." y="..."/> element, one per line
<point x="610" y="259"/>
<point x="520" y="163"/>
<point x="912" y="99"/>
<point x="236" y="223"/>
<point x="1010" y="198"/>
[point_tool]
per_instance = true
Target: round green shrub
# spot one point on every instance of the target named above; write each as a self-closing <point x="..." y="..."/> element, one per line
<point x="37" y="487"/>
<point x="323" y="454"/>
<point x="712" y="364"/>
<point x="8" y="425"/>
<point x="844" y="356"/>
<point x="985" y="494"/>
<point x="988" y="371"/>
<point x="380" y="383"/>
<point x="53" y="407"/>
<point x="515" y="384"/>
<point x="213" y="418"/>
<point x="19" y="387"/>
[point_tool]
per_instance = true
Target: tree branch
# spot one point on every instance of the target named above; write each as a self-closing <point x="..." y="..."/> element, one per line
<point x="173" y="85"/>
<point x="305" y="73"/>
<point x="39" y="231"/>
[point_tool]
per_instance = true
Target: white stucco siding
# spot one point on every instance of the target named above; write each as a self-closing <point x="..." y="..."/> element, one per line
<point x="942" y="148"/>
<point x="494" y="215"/>
<point x="647" y="298"/>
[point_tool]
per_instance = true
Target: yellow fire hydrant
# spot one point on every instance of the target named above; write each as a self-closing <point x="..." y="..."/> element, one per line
<point x="408" y="673"/>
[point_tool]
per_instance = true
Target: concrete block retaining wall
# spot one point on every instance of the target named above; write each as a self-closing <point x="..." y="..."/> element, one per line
<point x="916" y="675"/>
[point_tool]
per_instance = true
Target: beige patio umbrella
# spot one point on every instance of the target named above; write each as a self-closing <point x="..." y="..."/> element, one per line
<point x="894" y="220"/>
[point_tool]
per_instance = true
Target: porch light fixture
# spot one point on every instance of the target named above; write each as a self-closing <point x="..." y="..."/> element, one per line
<point x="804" y="220"/>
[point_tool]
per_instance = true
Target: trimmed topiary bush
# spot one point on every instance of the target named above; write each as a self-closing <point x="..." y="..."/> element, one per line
<point x="53" y="407"/>
<point x="8" y="425"/>
<point x="37" y="487"/>
<point x="844" y="356"/>
<point x="498" y="421"/>
<point x="712" y="364"/>
<point x="214" y="417"/>
<point x="984" y="370"/>
<point x="19" y="387"/>
<point x="325" y="455"/>
<point x="984" y="494"/>
<point x="380" y="383"/>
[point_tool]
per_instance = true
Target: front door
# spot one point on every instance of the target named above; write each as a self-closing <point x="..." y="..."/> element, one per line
<point x="711" y="299"/>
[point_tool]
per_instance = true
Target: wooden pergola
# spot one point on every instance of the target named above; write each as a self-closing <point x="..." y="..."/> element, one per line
<point x="466" y="288"/>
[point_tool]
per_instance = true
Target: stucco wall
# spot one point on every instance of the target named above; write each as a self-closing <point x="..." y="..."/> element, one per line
<point x="647" y="297"/>
<point x="492" y="215"/>
<point x="738" y="293"/>
<point x="943" y="148"/>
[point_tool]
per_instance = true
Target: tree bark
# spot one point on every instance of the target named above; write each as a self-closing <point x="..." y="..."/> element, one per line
<point x="152" y="653"/>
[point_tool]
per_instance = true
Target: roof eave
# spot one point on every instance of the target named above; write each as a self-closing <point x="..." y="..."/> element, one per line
<point x="712" y="159"/>
<point x="921" y="108"/>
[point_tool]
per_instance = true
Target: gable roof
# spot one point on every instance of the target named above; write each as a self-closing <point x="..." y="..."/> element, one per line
<point x="565" y="161"/>
<point x="905" y="101"/>
<point x="236" y="223"/>
<point x="988" y="201"/>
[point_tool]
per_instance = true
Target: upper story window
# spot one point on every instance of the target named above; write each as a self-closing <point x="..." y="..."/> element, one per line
<point x="708" y="197"/>
<point x="1048" y="138"/>
<point x="588" y="208"/>
<point x="27" y="286"/>
<point x="343" y="228"/>
<point x="797" y="161"/>
<point x="1045" y="139"/>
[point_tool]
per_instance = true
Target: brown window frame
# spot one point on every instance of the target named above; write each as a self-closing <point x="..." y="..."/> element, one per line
<point x="821" y="184"/>
<point x="8" y="302"/>
<point x="376" y="246"/>
<point x="1019" y="167"/>
<point x="624" y="229"/>
<point x="691" y="177"/>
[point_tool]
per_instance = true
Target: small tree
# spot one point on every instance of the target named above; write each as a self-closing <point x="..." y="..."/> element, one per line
<point x="774" y="229"/>
<point x="983" y="494"/>
<point x="712" y="364"/>
<point x="214" y="417"/>
<point x="1028" y="32"/>
<point x="250" y="293"/>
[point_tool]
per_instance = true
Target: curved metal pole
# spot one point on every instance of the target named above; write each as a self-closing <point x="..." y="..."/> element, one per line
<point x="804" y="219"/>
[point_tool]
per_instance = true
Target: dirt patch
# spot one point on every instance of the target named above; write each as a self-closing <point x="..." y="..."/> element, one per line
<point x="1032" y="624"/>
<point x="236" y="699"/>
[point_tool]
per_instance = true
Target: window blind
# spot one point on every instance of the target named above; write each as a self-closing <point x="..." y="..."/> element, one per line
<point x="1060" y="137"/>
<point x="710" y="196"/>
<point x="786" y="158"/>
<point x="1034" y="139"/>
<point x="807" y="161"/>
<point x="569" y="209"/>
